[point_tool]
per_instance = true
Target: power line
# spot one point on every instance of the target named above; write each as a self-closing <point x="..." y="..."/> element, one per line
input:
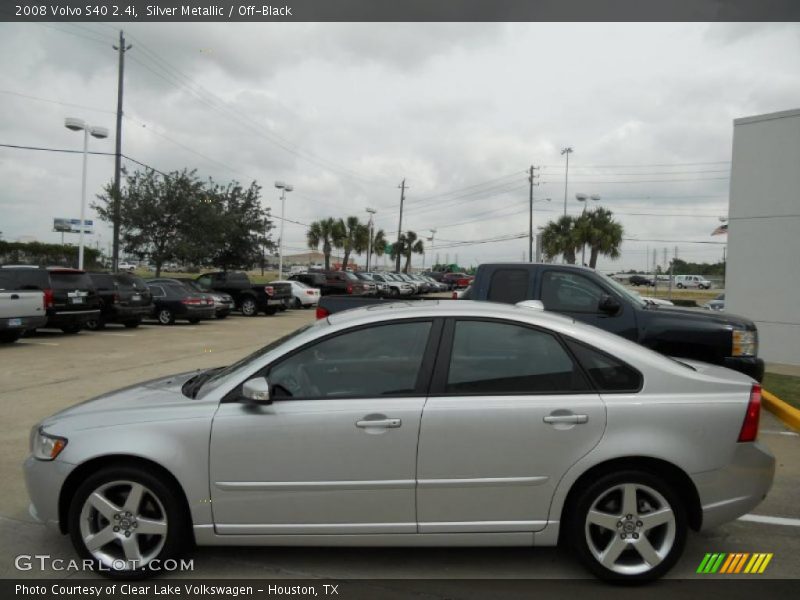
<point x="63" y="150"/>
<point x="691" y="164"/>
<point x="50" y="101"/>
<point x="676" y="241"/>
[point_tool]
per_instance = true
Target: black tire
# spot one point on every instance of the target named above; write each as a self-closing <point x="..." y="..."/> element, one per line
<point x="9" y="337"/>
<point x="671" y="538"/>
<point x="270" y="310"/>
<point x="178" y="529"/>
<point x="95" y="324"/>
<point x="679" y="286"/>
<point x="71" y="329"/>
<point x="165" y="317"/>
<point x="132" y="324"/>
<point x="221" y="316"/>
<point x="297" y="303"/>
<point x="394" y="292"/>
<point x="249" y="307"/>
<point x="193" y="321"/>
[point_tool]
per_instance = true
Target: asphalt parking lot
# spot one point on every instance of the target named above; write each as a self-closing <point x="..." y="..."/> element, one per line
<point x="50" y="371"/>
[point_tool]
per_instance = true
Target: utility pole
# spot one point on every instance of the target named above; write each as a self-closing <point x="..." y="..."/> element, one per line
<point x="531" y="178"/>
<point x="121" y="49"/>
<point x="655" y="274"/>
<point x="430" y="239"/>
<point x="568" y="150"/>
<point x="672" y="271"/>
<point x="402" y="187"/>
<point x="371" y="212"/>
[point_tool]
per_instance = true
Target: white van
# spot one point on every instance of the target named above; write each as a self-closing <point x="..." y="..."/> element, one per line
<point x="692" y="281"/>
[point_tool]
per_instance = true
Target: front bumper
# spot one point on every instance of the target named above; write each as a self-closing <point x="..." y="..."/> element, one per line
<point x="729" y="492"/>
<point x="749" y="365"/>
<point x="44" y="480"/>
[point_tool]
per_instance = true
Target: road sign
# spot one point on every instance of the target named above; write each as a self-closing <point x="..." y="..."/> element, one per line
<point x="73" y="225"/>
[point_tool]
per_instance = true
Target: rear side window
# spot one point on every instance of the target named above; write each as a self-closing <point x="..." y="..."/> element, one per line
<point x="70" y="281"/>
<point x="130" y="283"/>
<point x="608" y="374"/>
<point x="24" y="279"/>
<point x="102" y="281"/>
<point x="490" y="357"/>
<point x="157" y="290"/>
<point x="509" y="286"/>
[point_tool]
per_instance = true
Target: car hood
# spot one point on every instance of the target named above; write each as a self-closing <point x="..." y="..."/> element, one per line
<point x="700" y="314"/>
<point x="157" y="399"/>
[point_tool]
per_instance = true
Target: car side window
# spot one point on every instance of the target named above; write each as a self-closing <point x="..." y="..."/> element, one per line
<point x="490" y="357"/>
<point x="509" y="286"/>
<point x="609" y="374"/>
<point x="382" y="360"/>
<point x="570" y="292"/>
<point x="157" y="291"/>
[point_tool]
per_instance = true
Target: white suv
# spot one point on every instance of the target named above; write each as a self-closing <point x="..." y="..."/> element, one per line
<point x="692" y="281"/>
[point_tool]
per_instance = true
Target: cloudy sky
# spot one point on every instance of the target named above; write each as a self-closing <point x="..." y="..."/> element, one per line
<point x="344" y="112"/>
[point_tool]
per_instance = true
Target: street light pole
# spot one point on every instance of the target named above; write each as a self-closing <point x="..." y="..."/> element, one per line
<point x="585" y="199"/>
<point x="568" y="150"/>
<point x="99" y="133"/>
<point x="371" y="212"/>
<point x="283" y="187"/>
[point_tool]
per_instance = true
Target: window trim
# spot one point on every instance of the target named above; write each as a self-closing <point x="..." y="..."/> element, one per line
<point x="442" y="371"/>
<point x="570" y="340"/>
<point x="421" y="386"/>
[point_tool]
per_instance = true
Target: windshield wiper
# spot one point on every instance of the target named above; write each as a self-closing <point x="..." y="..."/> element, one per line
<point x="193" y="385"/>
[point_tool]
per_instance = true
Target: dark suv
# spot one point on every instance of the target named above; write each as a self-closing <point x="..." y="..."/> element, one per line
<point x="69" y="295"/>
<point x="124" y="299"/>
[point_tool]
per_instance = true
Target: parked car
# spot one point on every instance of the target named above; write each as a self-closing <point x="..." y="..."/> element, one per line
<point x="20" y="310"/>
<point x="124" y="299"/>
<point x="456" y="281"/>
<point x="717" y="303"/>
<point x="394" y="287"/>
<point x="248" y="297"/>
<point x="452" y="423"/>
<point x="69" y="295"/>
<point x="341" y="282"/>
<point x="223" y="303"/>
<point x="314" y="279"/>
<point x="637" y="280"/>
<point x="692" y="281"/>
<point x="303" y="296"/>
<point x="126" y="266"/>
<point x="371" y="287"/>
<point x="381" y="288"/>
<point x="173" y="301"/>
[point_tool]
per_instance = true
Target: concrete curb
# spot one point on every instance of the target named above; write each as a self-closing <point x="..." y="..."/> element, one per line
<point x="785" y="412"/>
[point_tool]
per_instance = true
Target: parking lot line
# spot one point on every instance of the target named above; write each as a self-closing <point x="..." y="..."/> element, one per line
<point x="31" y="342"/>
<point x="122" y="334"/>
<point x="770" y="520"/>
<point x="771" y="432"/>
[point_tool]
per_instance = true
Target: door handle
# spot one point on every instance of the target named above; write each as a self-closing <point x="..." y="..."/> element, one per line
<point x="571" y="419"/>
<point x="382" y="423"/>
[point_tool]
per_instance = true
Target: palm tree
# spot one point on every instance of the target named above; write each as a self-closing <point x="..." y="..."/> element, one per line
<point x="379" y="242"/>
<point x="328" y="232"/>
<point x="409" y="244"/>
<point x="602" y="233"/>
<point x="355" y="238"/>
<point x="560" y="237"/>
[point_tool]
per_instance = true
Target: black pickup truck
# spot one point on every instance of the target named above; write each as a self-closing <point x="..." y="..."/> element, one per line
<point x="586" y="295"/>
<point x="248" y="297"/>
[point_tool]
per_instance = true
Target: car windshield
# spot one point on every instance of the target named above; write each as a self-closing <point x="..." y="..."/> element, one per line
<point x="217" y="376"/>
<point x="65" y="280"/>
<point x="625" y="292"/>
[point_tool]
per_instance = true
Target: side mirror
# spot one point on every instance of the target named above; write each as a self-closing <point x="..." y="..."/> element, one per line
<point x="256" y="390"/>
<point x="608" y="304"/>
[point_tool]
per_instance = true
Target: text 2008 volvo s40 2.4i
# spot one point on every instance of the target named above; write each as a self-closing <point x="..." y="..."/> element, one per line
<point x="416" y="424"/>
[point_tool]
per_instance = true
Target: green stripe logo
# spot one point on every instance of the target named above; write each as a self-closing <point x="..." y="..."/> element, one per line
<point x="711" y="562"/>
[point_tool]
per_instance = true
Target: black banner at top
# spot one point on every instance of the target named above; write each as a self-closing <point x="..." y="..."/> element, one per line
<point x="400" y="10"/>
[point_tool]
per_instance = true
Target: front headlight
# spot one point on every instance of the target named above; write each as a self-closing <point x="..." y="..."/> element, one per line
<point x="45" y="446"/>
<point x="745" y="343"/>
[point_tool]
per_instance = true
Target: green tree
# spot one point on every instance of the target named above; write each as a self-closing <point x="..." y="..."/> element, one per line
<point x="355" y="238"/>
<point x="327" y="232"/>
<point x="600" y="232"/>
<point x="379" y="242"/>
<point x="560" y="237"/>
<point x="156" y="213"/>
<point x="409" y="244"/>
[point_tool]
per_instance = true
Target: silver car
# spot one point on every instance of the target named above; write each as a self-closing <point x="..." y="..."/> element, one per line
<point x="429" y="423"/>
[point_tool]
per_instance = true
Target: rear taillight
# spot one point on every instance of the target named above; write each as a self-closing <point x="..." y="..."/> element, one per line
<point x="455" y="295"/>
<point x="349" y="290"/>
<point x="48" y="299"/>
<point x="269" y="290"/>
<point x="309" y="292"/>
<point x="192" y="301"/>
<point x="322" y="313"/>
<point x="749" y="431"/>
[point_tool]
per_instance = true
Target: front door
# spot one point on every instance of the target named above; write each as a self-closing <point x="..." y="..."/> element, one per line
<point x="336" y="450"/>
<point x="509" y="413"/>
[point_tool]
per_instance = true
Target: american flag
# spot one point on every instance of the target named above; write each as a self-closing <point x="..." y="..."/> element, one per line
<point x="722" y="229"/>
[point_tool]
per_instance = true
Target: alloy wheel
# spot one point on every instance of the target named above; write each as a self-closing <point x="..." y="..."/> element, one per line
<point x="248" y="307"/>
<point x="165" y="317"/>
<point x="630" y="529"/>
<point x="123" y="525"/>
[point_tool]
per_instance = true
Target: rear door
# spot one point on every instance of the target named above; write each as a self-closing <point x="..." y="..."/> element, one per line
<point x="73" y="291"/>
<point x="509" y="412"/>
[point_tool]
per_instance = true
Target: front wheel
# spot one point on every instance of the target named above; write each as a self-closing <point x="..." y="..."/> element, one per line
<point x="249" y="308"/>
<point x="95" y="324"/>
<point x="124" y="518"/>
<point x="628" y="526"/>
<point x="679" y="286"/>
<point x="166" y="317"/>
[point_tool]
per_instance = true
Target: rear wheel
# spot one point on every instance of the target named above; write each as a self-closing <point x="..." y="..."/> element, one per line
<point x="628" y="526"/>
<point x="124" y="518"/>
<point x="165" y="317"/>
<point x="249" y="308"/>
<point x="95" y="324"/>
<point x="297" y="303"/>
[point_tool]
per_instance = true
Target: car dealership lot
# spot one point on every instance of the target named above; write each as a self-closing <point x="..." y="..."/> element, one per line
<point x="47" y="372"/>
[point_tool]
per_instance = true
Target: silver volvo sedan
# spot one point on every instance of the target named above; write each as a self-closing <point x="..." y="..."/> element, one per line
<point x="426" y="423"/>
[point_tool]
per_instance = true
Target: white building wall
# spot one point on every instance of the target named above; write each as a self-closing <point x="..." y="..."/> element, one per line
<point x="763" y="265"/>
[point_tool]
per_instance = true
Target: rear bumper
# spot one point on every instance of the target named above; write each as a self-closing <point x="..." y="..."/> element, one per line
<point x="25" y="323"/>
<point x="72" y="317"/>
<point x="750" y="366"/>
<point x="734" y="490"/>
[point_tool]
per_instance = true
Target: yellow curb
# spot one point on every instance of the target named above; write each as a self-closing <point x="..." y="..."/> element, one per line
<point x="785" y="412"/>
